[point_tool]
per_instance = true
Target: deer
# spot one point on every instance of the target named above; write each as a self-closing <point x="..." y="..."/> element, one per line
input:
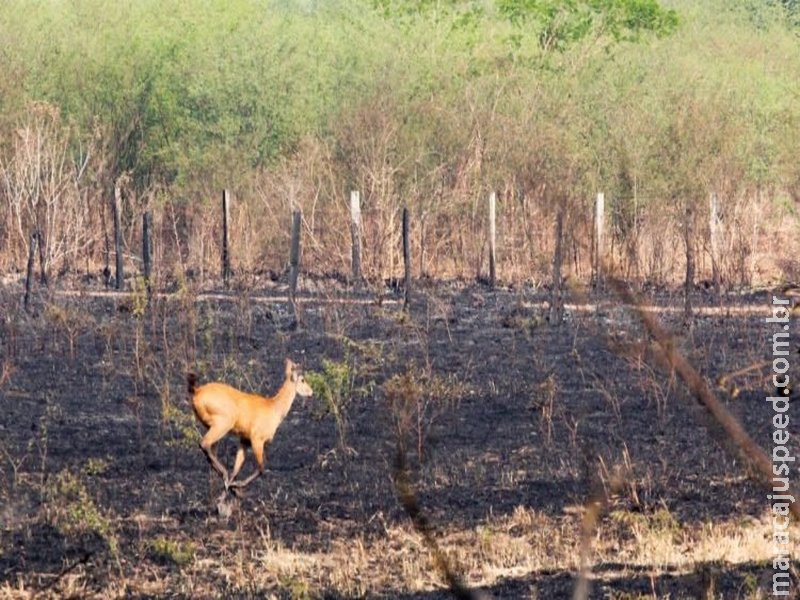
<point x="222" y="409"/>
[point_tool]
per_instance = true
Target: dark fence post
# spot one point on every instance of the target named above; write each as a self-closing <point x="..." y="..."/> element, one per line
<point x="688" y="238"/>
<point x="406" y="260"/>
<point x="118" y="236"/>
<point x="146" y="250"/>
<point x="29" y="275"/>
<point x="42" y="252"/>
<point x="557" y="296"/>
<point x="294" y="264"/>
<point x="226" y="256"/>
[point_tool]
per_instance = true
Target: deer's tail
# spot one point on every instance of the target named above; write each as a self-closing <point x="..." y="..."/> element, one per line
<point x="191" y="383"/>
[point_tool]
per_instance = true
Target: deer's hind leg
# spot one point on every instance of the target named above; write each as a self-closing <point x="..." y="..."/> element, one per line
<point x="215" y="433"/>
<point x="239" y="461"/>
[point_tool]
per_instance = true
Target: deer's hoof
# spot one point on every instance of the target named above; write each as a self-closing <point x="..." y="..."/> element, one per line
<point x="224" y="507"/>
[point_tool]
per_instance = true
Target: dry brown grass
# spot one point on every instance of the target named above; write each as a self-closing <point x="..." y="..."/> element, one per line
<point x="523" y="544"/>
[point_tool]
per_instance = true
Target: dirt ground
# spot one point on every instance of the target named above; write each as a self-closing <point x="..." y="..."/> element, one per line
<point x="509" y="425"/>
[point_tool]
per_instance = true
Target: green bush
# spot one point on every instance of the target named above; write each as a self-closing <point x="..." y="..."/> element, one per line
<point x="333" y="388"/>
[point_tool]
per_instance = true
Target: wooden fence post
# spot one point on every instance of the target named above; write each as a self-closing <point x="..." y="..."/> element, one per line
<point x="557" y="296"/>
<point x="492" y="239"/>
<point x="599" y="243"/>
<point x="106" y="251"/>
<point x="226" y="256"/>
<point x="422" y="240"/>
<point x="117" y="208"/>
<point x="355" y="235"/>
<point x="29" y="274"/>
<point x="146" y="253"/>
<point x="42" y="252"/>
<point x="713" y="226"/>
<point x="294" y="264"/>
<point x="406" y="260"/>
<point x="688" y="238"/>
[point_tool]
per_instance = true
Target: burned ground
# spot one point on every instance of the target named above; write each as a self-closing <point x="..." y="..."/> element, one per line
<point x="509" y="425"/>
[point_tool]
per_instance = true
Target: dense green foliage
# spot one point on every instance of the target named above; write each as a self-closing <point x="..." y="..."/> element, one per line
<point x="183" y="87"/>
<point x="421" y="101"/>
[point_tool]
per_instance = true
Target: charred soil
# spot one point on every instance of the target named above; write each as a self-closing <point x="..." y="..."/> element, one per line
<point x="508" y="423"/>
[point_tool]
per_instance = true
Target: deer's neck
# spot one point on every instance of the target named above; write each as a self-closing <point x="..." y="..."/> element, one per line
<point x="283" y="400"/>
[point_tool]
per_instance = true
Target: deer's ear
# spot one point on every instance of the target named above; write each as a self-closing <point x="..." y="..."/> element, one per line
<point x="290" y="367"/>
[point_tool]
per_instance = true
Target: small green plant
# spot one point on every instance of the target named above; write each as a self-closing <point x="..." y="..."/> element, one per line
<point x="750" y="584"/>
<point x="297" y="588"/>
<point x="139" y="296"/>
<point x="661" y="523"/>
<point x="333" y="386"/>
<point x="340" y="382"/>
<point x="206" y="327"/>
<point x="182" y="422"/>
<point x="72" y="509"/>
<point x="171" y="551"/>
<point x="51" y="413"/>
<point x="95" y="466"/>
<point x="665" y="522"/>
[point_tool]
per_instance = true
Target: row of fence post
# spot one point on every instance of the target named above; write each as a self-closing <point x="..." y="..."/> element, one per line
<point x="598" y="249"/>
<point x="294" y="258"/>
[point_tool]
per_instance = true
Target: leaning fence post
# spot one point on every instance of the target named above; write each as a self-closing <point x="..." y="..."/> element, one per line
<point x="226" y="256"/>
<point x="29" y="274"/>
<point x="117" y="207"/>
<point x="146" y="253"/>
<point x="492" y="239"/>
<point x="294" y="264"/>
<point x="355" y="235"/>
<point x="406" y="260"/>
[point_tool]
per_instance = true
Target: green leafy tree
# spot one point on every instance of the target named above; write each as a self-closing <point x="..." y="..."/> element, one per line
<point x="562" y="23"/>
